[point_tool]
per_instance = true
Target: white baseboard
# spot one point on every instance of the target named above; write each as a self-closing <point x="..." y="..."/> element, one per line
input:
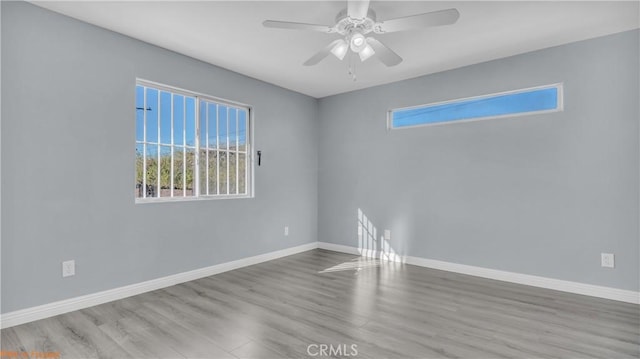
<point x="526" y="279"/>
<point x="64" y="306"/>
<point x="339" y="248"/>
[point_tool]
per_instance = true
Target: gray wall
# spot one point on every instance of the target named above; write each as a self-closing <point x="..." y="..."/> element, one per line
<point x="541" y="195"/>
<point x="68" y="135"/>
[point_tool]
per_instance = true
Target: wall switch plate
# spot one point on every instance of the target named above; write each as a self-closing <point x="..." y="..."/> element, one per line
<point x="607" y="260"/>
<point x="68" y="268"/>
<point x="286" y="230"/>
<point x="387" y="235"/>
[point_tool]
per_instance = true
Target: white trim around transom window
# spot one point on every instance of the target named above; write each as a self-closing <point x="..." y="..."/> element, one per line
<point x="559" y="107"/>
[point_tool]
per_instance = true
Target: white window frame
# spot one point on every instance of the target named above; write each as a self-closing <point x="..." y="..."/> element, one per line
<point x="559" y="108"/>
<point x="198" y="196"/>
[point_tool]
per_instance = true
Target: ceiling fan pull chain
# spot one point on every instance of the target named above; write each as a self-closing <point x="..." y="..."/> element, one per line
<point x="351" y="67"/>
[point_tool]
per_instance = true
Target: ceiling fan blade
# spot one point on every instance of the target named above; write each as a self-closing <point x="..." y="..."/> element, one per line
<point x="385" y="54"/>
<point x="357" y="9"/>
<point x="297" y="26"/>
<point x="321" y="54"/>
<point x="435" y="18"/>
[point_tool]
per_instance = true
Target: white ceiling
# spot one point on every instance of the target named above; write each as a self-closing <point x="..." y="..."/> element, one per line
<point x="230" y="34"/>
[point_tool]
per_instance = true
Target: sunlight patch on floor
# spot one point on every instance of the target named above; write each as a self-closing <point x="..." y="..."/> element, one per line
<point x="354" y="265"/>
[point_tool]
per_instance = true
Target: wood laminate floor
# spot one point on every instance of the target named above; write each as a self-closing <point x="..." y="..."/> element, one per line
<point x="289" y="307"/>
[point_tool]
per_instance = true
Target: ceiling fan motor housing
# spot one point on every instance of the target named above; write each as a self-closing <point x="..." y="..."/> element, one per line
<point x="346" y="25"/>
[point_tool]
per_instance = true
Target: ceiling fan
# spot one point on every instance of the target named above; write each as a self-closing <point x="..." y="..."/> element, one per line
<point x="358" y="20"/>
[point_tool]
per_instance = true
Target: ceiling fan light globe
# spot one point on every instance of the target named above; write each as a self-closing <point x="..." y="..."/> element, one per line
<point x="340" y="50"/>
<point x="358" y="42"/>
<point x="366" y="53"/>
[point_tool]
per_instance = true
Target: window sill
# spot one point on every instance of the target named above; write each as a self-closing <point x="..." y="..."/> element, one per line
<point x="189" y="199"/>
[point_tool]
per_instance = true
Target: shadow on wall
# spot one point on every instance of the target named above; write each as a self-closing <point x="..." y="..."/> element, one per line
<point x="371" y="244"/>
<point x="374" y="249"/>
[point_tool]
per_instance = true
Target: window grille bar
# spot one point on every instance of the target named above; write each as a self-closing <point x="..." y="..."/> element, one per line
<point x="144" y="146"/>
<point x="217" y="150"/>
<point x="172" y="150"/>
<point x="184" y="148"/>
<point x="206" y="134"/>
<point x="196" y="158"/>
<point x="248" y="142"/>
<point x="228" y="152"/>
<point x="158" y="147"/>
<point x="237" y="148"/>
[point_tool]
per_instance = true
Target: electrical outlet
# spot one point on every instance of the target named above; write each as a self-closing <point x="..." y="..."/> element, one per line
<point x="68" y="268"/>
<point x="607" y="260"/>
<point x="286" y="230"/>
<point x="387" y="235"/>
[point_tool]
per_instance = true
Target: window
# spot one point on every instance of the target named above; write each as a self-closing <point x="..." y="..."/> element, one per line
<point x="520" y="102"/>
<point x="190" y="146"/>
